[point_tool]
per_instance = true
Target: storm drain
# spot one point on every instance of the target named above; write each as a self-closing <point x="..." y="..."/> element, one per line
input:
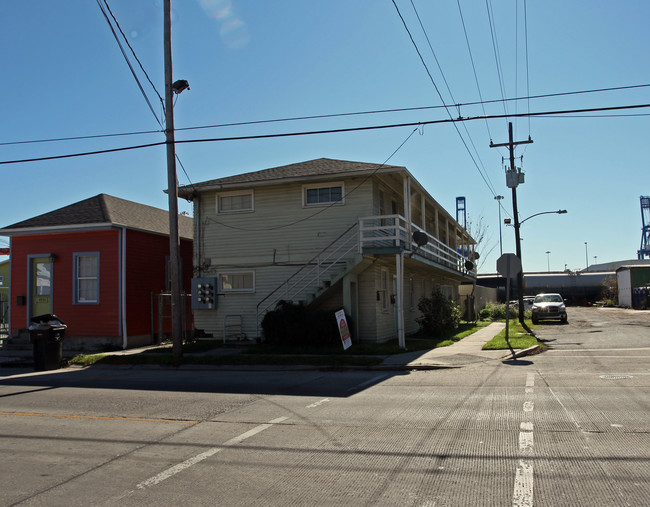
<point x="616" y="377"/>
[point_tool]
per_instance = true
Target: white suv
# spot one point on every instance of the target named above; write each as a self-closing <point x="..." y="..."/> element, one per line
<point x="549" y="307"/>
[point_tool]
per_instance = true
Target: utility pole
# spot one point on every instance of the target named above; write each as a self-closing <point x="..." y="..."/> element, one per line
<point x="513" y="178"/>
<point x="172" y="191"/>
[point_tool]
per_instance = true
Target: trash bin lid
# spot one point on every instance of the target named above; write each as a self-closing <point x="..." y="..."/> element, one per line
<point x="47" y="318"/>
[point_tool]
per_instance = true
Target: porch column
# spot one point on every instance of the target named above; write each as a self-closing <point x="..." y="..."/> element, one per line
<point x="423" y="205"/>
<point x="399" y="303"/>
<point x="407" y="209"/>
<point x="436" y="223"/>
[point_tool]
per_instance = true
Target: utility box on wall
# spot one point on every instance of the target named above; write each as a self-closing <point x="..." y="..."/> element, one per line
<point x="204" y="293"/>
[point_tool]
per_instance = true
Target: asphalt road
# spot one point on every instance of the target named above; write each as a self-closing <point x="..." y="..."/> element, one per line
<point x="567" y="427"/>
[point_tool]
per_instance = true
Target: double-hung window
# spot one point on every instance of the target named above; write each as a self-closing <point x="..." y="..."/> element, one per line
<point x="239" y="281"/>
<point x="240" y="201"/>
<point x="86" y="278"/>
<point x="322" y="195"/>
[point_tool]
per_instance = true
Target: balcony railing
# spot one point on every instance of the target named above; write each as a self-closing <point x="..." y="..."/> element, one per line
<point x="393" y="231"/>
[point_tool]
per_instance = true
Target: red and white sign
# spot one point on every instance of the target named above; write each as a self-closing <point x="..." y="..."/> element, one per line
<point x="344" y="331"/>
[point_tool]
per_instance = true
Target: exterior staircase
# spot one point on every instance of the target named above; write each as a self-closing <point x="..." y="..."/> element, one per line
<point x="316" y="276"/>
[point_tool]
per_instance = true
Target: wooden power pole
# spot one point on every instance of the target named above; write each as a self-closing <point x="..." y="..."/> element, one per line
<point x="513" y="180"/>
<point x="172" y="190"/>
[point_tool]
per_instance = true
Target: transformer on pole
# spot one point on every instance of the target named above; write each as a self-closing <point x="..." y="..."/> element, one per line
<point x="644" y="251"/>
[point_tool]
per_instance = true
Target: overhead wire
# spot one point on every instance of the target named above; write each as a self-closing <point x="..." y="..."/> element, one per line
<point x="441" y="98"/>
<point x="162" y="102"/>
<point x="469" y="136"/>
<point x="160" y="122"/>
<point x="128" y="62"/>
<point x="471" y="58"/>
<point x="331" y="131"/>
<point x="495" y="49"/>
<point x="332" y="115"/>
<point x="322" y="210"/>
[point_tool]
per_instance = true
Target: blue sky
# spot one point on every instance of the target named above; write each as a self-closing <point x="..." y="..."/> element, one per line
<point x="249" y="60"/>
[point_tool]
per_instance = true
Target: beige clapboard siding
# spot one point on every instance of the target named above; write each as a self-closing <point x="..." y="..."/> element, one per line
<point x="263" y="241"/>
<point x="271" y="230"/>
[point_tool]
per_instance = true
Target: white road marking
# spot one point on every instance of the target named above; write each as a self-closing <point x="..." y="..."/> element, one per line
<point x="318" y="403"/>
<point x="530" y="380"/>
<point x="523" y="494"/>
<point x="526" y="442"/>
<point x="170" y="472"/>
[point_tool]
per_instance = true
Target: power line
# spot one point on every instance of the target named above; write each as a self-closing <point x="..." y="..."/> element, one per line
<point x="426" y="35"/>
<point x="162" y="102"/>
<point x="126" y="58"/>
<point x="471" y="58"/>
<point x="333" y="131"/>
<point x="495" y="48"/>
<point x="368" y="176"/>
<point x="322" y="116"/>
<point x="443" y="100"/>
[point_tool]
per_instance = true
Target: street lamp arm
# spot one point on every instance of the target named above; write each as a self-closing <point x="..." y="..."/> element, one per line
<point x="559" y="212"/>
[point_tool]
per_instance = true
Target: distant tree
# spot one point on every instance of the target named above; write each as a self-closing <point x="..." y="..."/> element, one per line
<point x="478" y="229"/>
<point x="610" y="290"/>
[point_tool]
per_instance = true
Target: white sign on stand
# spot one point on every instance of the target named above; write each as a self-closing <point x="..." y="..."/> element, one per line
<point x="343" y="329"/>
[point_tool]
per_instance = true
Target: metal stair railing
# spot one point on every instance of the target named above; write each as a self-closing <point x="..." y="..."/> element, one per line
<point x="328" y="263"/>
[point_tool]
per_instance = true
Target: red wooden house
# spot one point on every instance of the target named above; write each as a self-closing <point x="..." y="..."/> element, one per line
<point x="95" y="264"/>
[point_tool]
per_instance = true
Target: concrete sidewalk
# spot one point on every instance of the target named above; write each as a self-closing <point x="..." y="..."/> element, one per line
<point x="466" y="351"/>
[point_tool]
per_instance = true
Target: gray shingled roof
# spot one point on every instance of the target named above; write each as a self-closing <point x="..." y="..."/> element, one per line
<point x="321" y="167"/>
<point x="108" y="210"/>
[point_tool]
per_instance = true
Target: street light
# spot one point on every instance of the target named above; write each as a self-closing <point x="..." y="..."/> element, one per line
<point x="498" y="199"/>
<point x="558" y="212"/>
<point x="586" y="258"/>
<point x="520" y="276"/>
<point x="548" y="261"/>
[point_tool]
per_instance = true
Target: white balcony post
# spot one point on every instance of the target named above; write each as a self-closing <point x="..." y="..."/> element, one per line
<point x="399" y="300"/>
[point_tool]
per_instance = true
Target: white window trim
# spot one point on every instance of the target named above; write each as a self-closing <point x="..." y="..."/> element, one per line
<point x="329" y="184"/>
<point x="235" y="192"/>
<point x="75" y="275"/>
<point x="220" y="288"/>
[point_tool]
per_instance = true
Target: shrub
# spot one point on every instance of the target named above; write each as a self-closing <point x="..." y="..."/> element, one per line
<point x="296" y="326"/>
<point x="497" y="312"/>
<point x="438" y="314"/>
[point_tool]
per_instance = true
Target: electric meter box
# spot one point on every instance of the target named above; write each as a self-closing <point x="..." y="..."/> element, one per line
<point x="204" y="293"/>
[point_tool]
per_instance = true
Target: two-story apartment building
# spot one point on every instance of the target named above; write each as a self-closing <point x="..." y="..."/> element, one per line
<point x="329" y="233"/>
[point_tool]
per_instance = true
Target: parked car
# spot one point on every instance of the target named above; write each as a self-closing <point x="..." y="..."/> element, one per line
<point x="528" y="302"/>
<point x="549" y="307"/>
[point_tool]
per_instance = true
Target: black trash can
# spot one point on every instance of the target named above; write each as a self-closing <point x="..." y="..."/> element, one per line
<point x="46" y="334"/>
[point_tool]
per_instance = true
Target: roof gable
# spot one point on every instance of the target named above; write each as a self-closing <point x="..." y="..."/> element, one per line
<point x="322" y="167"/>
<point x="108" y="210"/>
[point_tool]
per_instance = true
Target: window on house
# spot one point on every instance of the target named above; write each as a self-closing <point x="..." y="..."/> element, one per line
<point x="86" y="278"/>
<point x="242" y="281"/>
<point x="315" y="195"/>
<point x="235" y="202"/>
<point x="2" y="280"/>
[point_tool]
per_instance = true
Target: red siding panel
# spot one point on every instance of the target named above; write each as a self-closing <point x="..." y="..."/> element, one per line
<point x="82" y="320"/>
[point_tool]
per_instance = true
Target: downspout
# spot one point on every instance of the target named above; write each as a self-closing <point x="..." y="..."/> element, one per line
<point x="123" y="288"/>
<point x="197" y="234"/>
